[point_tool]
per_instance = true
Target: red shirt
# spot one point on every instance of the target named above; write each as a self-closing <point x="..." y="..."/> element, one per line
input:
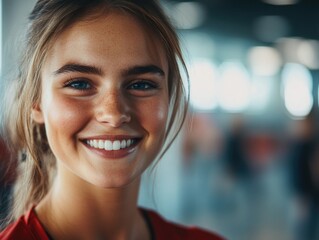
<point x="28" y="227"/>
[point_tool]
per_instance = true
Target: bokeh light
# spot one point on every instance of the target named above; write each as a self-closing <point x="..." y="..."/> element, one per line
<point x="234" y="87"/>
<point x="297" y="89"/>
<point x="203" y="74"/>
<point x="187" y="15"/>
<point x="264" y="61"/>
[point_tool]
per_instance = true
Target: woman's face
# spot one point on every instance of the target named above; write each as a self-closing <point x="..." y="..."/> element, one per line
<point x="104" y="101"/>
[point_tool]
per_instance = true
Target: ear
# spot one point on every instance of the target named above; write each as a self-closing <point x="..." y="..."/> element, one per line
<point x="36" y="113"/>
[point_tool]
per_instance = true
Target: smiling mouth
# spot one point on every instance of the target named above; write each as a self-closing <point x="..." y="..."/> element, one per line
<point x="109" y="145"/>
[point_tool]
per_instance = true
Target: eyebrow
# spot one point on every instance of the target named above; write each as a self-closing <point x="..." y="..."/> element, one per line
<point x="74" y="67"/>
<point x="135" y="70"/>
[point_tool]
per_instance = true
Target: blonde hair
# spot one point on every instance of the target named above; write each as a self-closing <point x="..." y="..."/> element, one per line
<point x="47" y="20"/>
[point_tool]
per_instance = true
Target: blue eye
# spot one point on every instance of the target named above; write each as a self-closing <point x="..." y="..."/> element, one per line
<point x="143" y="85"/>
<point x="79" y="84"/>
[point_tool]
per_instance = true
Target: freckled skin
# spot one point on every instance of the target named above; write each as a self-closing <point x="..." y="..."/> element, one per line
<point x="112" y="43"/>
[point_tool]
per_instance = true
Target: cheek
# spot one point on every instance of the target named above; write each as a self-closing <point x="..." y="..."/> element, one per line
<point x="63" y="116"/>
<point x="153" y="117"/>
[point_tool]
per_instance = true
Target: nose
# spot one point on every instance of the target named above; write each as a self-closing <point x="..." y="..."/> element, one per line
<point x="113" y="110"/>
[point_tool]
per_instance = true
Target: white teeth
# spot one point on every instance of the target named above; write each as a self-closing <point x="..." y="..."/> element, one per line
<point x="101" y="144"/>
<point x="110" y="145"/>
<point x="116" y="145"/>
<point x="123" y="144"/>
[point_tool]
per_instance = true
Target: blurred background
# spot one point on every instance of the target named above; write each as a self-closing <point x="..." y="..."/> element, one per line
<point x="246" y="164"/>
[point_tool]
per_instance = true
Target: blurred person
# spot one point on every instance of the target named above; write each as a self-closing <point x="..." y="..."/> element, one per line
<point x="238" y="187"/>
<point x="236" y="161"/>
<point x="201" y="135"/>
<point x="99" y="98"/>
<point x="201" y="146"/>
<point x="304" y="177"/>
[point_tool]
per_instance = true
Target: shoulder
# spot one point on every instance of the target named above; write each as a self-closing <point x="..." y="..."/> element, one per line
<point x="164" y="229"/>
<point x="27" y="227"/>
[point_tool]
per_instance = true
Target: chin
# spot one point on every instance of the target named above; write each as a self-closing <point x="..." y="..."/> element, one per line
<point x="111" y="182"/>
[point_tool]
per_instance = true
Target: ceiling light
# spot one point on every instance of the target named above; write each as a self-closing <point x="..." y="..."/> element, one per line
<point x="188" y="15"/>
<point x="281" y="2"/>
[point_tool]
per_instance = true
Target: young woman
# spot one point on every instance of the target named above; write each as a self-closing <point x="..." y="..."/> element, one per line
<point x="99" y="98"/>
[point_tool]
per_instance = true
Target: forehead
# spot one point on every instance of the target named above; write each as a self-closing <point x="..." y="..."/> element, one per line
<point x="113" y="37"/>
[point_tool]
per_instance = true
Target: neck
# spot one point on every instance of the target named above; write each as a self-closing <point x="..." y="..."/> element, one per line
<point x="76" y="209"/>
